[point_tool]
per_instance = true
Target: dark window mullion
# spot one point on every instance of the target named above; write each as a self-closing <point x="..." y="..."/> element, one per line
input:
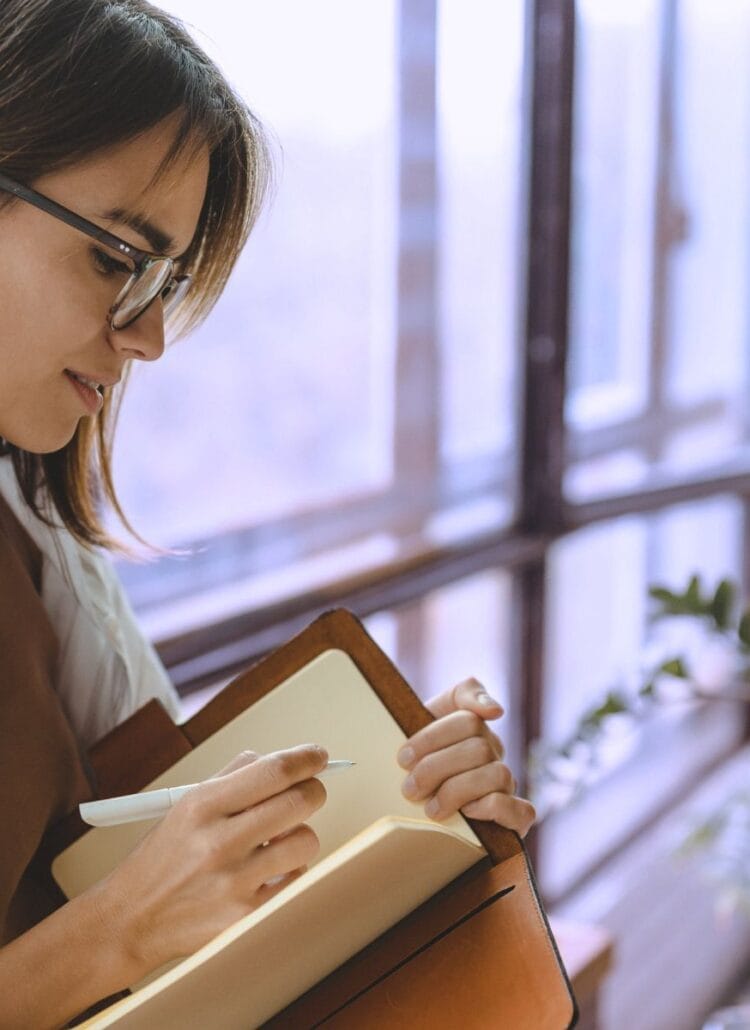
<point x="541" y="507"/>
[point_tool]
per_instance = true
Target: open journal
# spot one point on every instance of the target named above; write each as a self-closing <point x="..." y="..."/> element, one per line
<point x="380" y="859"/>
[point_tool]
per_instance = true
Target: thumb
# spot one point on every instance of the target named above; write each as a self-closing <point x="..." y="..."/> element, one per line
<point x="469" y="695"/>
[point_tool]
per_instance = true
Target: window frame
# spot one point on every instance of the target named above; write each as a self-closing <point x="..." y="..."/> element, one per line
<point x="543" y="515"/>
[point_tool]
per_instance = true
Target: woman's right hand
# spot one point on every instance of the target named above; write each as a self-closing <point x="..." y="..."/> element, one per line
<point x="225" y="848"/>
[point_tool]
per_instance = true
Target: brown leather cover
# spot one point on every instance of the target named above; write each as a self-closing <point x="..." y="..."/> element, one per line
<point x="478" y="954"/>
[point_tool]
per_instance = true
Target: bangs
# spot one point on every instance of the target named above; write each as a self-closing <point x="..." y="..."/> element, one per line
<point x="241" y="179"/>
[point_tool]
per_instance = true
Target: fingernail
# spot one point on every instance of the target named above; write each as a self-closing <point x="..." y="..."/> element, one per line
<point x="487" y="702"/>
<point x="406" y="757"/>
<point x="432" y="807"/>
<point x="409" y="787"/>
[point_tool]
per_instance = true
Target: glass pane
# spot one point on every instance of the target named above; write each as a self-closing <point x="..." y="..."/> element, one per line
<point x="614" y="179"/>
<point x="660" y="197"/>
<point x="282" y="401"/>
<point x="598" y="629"/>
<point x="455" y="632"/>
<point x="480" y="123"/>
<point x="708" y="365"/>
<point x="452" y="633"/>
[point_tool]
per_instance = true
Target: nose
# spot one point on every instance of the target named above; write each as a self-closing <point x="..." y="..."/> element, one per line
<point x="144" y="338"/>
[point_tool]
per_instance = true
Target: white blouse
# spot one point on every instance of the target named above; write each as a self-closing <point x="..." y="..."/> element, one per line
<point x="107" y="669"/>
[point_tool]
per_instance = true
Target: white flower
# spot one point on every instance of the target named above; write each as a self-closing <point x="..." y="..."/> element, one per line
<point x="714" y="665"/>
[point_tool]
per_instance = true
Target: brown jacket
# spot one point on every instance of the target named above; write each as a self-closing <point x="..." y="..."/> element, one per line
<point x="41" y="773"/>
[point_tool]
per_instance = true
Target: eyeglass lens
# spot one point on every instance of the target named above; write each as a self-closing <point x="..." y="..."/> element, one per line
<point x="140" y="292"/>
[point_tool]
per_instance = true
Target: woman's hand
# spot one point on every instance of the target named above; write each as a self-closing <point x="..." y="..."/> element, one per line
<point x="455" y="763"/>
<point x="225" y="848"/>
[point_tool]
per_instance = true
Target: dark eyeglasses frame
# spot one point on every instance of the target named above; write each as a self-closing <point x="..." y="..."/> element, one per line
<point x="141" y="259"/>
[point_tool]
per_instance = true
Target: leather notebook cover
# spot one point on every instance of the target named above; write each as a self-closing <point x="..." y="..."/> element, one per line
<point x="380" y="860"/>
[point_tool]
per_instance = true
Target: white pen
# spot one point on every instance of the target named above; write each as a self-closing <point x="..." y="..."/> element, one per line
<point x="152" y="804"/>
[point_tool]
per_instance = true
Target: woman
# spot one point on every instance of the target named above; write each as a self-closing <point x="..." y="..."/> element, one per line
<point x="130" y="177"/>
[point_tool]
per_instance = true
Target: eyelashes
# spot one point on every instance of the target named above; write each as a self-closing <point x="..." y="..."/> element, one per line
<point x="107" y="265"/>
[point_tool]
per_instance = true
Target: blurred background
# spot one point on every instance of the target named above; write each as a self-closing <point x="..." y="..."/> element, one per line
<point x="482" y="376"/>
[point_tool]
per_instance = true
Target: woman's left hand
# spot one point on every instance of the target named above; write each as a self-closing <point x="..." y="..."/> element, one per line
<point x="455" y="763"/>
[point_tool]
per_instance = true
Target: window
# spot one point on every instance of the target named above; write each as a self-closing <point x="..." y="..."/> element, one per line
<point x="480" y="374"/>
<point x="351" y="403"/>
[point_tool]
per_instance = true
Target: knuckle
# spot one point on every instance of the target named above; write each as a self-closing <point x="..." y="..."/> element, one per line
<point x="499" y="806"/>
<point x="481" y="751"/>
<point x="529" y="811"/>
<point x="446" y="797"/>
<point x="421" y="774"/>
<point x="293" y="800"/>
<point x="505" y="778"/>
<point x="497" y="743"/>
<point x="211" y="852"/>
<point x="490" y="754"/>
<point x="316" y="795"/>
<point x="309" y="845"/>
<point x="309" y="796"/>
<point x="276" y="772"/>
<point x="284" y="764"/>
<point x="471" y="724"/>
<point x="195" y="805"/>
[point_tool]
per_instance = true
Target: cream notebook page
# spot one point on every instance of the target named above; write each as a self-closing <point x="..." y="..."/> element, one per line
<point x="328" y="702"/>
<point x="268" y="959"/>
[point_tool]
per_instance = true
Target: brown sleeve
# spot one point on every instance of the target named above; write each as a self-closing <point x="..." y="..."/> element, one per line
<point x="41" y="775"/>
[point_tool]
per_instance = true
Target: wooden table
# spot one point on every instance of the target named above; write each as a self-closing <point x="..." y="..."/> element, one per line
<point x="587" y="952"/>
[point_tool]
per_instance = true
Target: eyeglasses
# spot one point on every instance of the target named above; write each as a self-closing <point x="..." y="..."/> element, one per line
<point x="152" y="276"/>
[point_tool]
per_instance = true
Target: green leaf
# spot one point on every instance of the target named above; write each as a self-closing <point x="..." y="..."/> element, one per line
<point x="693" y="595"/>
<point x="674" y="667"/>
<point x="688" y="603"/>
<point x="613" y="704"/>
<point x="670" y="603"/>
<point x="647" y="690"/>
<point x="744" y="629"/>
<point x="703" y="835"/>
<point x="722" y="603"/>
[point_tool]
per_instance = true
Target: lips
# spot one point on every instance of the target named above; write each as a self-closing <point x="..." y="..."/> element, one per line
<point x="92" y="384"/>
<point x="88" y="391"/>
<point x="96" y="380"/>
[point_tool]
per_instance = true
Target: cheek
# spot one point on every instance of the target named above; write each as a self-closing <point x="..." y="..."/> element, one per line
<point x="46" y="317"/>
<point x="48" y="311"/>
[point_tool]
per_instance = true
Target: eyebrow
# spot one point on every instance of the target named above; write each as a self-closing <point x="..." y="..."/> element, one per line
<point x="162" y="242"/>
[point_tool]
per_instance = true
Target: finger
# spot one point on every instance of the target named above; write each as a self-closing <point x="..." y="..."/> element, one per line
<point x="496" y="743"/>
<point x="434" y="769"/>
<point x="467" y="787"/>
<point x="275" y="819"/>
<point x="271" y="889"/>
<point x="506" y="810"/>
<point x="450" y="729"/>
<point x="256" y="781"/>
<point x="238" y="762"/>
<point x="469" y="695"/>
<point x="281" y="857"/>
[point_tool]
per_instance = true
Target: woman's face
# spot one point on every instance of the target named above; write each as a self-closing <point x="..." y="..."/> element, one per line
<point x="56" y="288"/>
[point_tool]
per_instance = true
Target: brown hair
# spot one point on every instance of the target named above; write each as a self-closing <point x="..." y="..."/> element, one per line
<point x="80" y="75"/>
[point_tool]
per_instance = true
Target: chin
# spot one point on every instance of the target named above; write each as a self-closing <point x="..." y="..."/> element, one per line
<point x="40" y="441"/>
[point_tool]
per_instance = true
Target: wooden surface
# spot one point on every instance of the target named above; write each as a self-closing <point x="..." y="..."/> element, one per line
<point x="588" y="955"/>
